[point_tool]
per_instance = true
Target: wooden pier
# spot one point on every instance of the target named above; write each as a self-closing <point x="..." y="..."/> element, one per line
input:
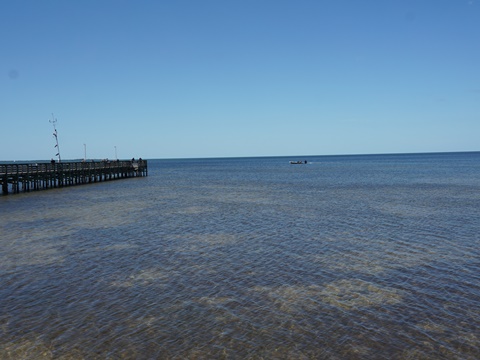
<point x="26" y="177"/>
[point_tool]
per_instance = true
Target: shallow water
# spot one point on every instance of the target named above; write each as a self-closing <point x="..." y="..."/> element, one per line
<point x="367" y="257"/>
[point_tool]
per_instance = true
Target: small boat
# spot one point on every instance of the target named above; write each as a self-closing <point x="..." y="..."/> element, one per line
<point x="298" y="162"/>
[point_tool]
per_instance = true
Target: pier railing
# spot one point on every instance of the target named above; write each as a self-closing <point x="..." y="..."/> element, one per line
<point x="36" y="176"/>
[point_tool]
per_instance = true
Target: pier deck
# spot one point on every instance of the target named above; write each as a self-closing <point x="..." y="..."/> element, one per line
<point x="18" y="177"/>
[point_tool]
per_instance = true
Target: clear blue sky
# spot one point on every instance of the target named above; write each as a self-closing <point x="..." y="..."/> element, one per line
<point x="221" y="78"/>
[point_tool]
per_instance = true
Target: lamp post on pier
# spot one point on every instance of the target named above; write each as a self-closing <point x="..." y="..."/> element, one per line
<point x="116" y="158"/>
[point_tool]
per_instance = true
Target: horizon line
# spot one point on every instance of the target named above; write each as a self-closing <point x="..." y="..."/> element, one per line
<point x="256" y="156"/>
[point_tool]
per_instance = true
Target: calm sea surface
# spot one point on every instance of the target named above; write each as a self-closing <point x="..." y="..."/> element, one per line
<point x="348" y="257"/>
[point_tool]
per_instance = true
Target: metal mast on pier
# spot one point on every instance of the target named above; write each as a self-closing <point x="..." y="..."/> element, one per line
<point x="53" y="122"/>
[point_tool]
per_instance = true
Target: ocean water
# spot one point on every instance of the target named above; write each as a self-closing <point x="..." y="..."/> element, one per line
<point x="346" y="257"/>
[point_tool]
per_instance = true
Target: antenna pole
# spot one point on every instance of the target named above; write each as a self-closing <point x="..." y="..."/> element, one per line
<point x="55" y="135"/>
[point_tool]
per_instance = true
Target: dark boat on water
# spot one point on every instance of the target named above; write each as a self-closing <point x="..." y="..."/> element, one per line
<point x="298" y="162"/>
